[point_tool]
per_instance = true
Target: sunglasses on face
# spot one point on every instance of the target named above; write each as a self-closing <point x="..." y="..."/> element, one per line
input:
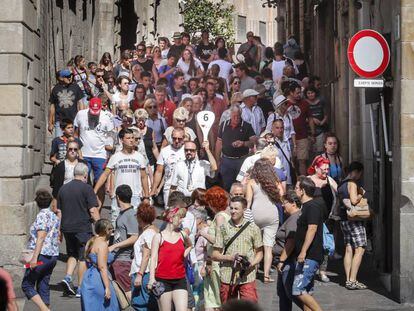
<point x="177" y="138"/>
<point x="140" y="50"/>
<point x="73" y="149"/>
<point x="236" y="82"/>
<point x="180" y="120"/>
<point x="189" y="150"/>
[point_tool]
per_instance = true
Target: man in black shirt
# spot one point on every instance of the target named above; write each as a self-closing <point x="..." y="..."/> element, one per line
<point x="235" y="138"/>
<point x="205" y="50"/>
<point x="78" y="205"/>
<point x="146" y="63"/>
<point x="65" y="101"/>
<point x="308" y="243"/>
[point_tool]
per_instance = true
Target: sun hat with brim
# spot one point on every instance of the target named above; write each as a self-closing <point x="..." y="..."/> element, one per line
<point x="279" y="100"/>
<point x="239" y="58"/>
<point x="250" y="92"/>
<point x="65" y="73"/>
<point x="95" y="106"/>
<point x="177" y="35"/>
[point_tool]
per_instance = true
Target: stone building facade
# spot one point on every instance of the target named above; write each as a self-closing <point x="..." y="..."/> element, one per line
<point x="381" y="138"/>
<point x="39" y="37"/>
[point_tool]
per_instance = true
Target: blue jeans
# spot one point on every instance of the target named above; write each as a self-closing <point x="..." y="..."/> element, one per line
<point x="36" y="281"/>
<point x="141" y="299"/>
<point x="97" y="165"/>
<point x="229" y="169"/>
<point x="304" y="277"/>
<point x="58" y="130"/>
<point x="284" y="287"/>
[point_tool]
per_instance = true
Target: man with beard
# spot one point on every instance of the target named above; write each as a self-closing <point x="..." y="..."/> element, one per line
<point x="93" y="127"/>
<point x="191" y="173"/>
<point x="65" y="101"/>
<point x="129" y="168"/>
<point x="168" y="158"/>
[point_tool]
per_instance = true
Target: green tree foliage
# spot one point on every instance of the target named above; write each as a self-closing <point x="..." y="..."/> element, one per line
<point x="214" y="16"/>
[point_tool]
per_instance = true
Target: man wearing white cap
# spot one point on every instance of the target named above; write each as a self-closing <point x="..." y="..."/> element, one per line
<point x="252" y="113"/>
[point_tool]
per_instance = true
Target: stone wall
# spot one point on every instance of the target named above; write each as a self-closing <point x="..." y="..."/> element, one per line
<point x="403" y="274"/>
<point x="36" y="38"/>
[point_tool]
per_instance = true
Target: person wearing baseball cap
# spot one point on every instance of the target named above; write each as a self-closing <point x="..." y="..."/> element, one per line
<point x="93" y="127"/>
<point x="65" y="101"/>
<point x="95" y="106"/>
<point x="252" y="113"/>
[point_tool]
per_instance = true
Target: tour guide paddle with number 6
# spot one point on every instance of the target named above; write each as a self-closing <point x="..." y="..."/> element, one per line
<point x="205" y="119"/>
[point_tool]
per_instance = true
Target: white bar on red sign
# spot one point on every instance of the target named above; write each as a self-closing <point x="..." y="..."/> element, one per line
<point x="374" y="83"/>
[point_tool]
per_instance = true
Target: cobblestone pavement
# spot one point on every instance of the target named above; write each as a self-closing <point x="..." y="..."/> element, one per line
<point x="331" y="296"/>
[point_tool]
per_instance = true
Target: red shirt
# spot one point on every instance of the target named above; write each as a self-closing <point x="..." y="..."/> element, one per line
<point x="166" y="110"/>
<point x="171" y="260"/>
<point x="300" y="114"/>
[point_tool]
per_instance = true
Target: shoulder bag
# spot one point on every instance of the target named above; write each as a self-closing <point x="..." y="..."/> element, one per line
<point x="235" y="236"/>
<point x="123" y="300"/>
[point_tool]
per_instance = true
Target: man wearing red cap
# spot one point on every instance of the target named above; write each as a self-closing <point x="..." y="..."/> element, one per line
<point x="93" y="128"/>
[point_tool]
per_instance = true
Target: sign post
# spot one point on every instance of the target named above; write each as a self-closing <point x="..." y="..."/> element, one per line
<point x="369" y="57"/>
<point x="205" y="119"/>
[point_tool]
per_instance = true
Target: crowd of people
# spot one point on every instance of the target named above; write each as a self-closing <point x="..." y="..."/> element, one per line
<point x="256" y="194"/>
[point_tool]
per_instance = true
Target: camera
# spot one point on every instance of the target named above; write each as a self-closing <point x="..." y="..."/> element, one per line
<point x="244" y="265"/>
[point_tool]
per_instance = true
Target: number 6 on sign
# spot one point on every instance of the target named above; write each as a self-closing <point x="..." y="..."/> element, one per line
<point x="205" y="119"/>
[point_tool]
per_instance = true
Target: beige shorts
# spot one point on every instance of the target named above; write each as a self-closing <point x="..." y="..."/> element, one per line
<point x="269" y="234"/>
<point x="302" y="149"/>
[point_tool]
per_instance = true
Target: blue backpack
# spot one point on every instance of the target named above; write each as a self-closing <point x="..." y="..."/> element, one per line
<point x="328" y="241"/>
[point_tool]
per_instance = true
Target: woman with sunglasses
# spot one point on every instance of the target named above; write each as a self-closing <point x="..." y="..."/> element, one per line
<point x="180" y="118"/>
<point x="234" y="86"/>
<point x="156" y="56"/>
<point x="63" y="172"/>
<point x="155" y="121"/>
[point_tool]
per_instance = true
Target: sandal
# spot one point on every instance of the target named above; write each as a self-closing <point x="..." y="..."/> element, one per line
<point x="350" y="285"/>
<point x="267" y="280"/>
<point x="359" y="285"/>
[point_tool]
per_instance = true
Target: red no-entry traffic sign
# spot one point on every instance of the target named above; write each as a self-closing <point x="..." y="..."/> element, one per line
<point x="368" y="53"/>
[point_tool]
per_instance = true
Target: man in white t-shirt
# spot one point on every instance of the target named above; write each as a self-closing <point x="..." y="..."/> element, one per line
<point x="93" y="127"/>
<point x="226" y="68"/>
<point x="191" y="173"/>
<point x="167" y="160"/>
<point x="128" y="166"/>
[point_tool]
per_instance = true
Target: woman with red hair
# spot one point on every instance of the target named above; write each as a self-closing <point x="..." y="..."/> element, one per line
<point x="326" y="189"/>
<point x="141" y="298"/>
<point x="217" y="200"/>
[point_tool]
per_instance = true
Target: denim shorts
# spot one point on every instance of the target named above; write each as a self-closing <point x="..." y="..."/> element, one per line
<point x="97" y="165"/>
<point x="304" y="276"/>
